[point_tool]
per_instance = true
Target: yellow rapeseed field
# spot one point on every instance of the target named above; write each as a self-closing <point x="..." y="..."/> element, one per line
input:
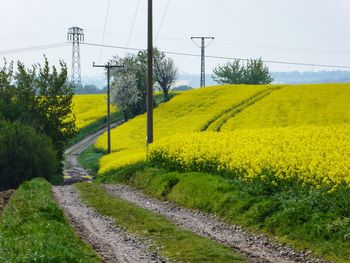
<point x="187" y="112"/>
<point x="321" y="104"/>
<point x="317" y="155"/>
<point x="89" y="108"/>
<point x="300" y="132"/>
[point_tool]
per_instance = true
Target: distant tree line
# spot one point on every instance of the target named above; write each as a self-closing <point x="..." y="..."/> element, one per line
<point x="181" y="88"/>
<point x="36" y="122"/>
<point x="90" y="89"/>
<point x="334" y="76"/>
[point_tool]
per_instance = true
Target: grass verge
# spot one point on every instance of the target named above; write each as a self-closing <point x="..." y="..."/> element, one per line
<point x="33" y="229"/>
<point x="316" y="220"/>
<point x="94" y="127"/>
<point x="173" y="242"/>
<point x="89" y="159"/>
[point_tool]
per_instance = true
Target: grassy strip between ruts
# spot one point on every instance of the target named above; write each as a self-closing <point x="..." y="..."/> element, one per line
<point x="89" y="159"/>
<point x="173" y="242"/>
<point x="315" y="220"/>
<point x="34" y="229"/>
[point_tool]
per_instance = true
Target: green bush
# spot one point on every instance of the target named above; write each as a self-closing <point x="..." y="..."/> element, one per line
<point x="24" y="155"/>
<point x="34" y="229"/>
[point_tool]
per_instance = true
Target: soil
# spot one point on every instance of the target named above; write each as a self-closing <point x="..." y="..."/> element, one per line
<point x="114" y="244"/>
<point x="73" y="172"/>
<point x="257" y="248"/>
<point x="5" y="197"/>
<point x="111" y="242"/>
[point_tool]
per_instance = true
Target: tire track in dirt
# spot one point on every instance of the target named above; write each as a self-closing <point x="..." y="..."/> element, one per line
<point x="92" y="226"/>
<point x="72" y="170"/>
<point x="112" y="243"/>
<point x="258" y="248"/>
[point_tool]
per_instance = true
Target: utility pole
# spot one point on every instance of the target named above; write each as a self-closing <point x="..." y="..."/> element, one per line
<point x="108" y="66"/>
<point x="202" y="47"/>
<point x="75" y="35"/>
<point x="150" y="74"/>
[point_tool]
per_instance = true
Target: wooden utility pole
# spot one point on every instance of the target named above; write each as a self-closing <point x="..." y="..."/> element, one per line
<point x="150" y="75"/>
<point x="108" y="66"/>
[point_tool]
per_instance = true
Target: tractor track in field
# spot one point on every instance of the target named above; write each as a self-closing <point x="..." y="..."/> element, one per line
<point x="114" y="244"/>
<point x="216" y="123"/>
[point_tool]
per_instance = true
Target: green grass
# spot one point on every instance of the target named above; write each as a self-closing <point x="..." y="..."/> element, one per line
<point x="95" y="127"/>
<point x="316" y="220"/>
<point x="173" y="242"/>
<point x="33" y="229"/>
<point x="89" y="159"/>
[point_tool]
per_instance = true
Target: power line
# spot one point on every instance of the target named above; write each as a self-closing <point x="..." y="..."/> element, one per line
<point x="203" y="46"/>
<point x="115" y="47"/>
<point x="104" y="30"/>
<point x="162" y="20"/>
<point x="108" y="67"/>
<point x="31" y="49"/>
<point x="63" y="44"/>
<point x="227" y="58"/>
<point x="133" y="23"/>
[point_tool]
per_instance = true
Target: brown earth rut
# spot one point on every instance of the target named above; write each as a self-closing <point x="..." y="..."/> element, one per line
<point x="116" y="245"/>
<point x="113" y="243"/>
<point x="5" y="197"/>
<point x="258" y="248"/>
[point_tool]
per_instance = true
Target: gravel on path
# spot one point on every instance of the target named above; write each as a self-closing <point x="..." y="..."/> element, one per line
<point x="73" y="172"/>
<point x="258" y="248"/>
<point x="113" y="243"/>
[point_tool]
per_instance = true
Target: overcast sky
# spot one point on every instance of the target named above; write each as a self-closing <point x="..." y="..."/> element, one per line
<point x="309" y="31"/>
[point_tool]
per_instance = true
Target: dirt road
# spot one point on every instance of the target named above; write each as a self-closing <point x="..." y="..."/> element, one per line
<point x="114" y="244"/>
<point x="257" y="248"/>
<point x="72" y="170"/>
<point x="111" y="242"/>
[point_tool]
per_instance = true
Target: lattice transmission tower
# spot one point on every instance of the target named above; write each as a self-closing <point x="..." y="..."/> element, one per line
<point x="202" y="47"/>
<point x="75" y="35"/>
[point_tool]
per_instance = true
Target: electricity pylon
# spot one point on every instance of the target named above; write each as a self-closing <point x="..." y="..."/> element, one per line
<point x="75" y="35"/>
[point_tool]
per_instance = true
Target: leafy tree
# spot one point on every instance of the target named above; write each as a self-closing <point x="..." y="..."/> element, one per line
<point x="24" y="155"/>
<point x="254" y="72"/>
<point x="230" y="73"/>
<point x="40" y="97"/>
<point x="124" y="92"/>
<point x="135" y="65"/>
<point x="165" y="72"/>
